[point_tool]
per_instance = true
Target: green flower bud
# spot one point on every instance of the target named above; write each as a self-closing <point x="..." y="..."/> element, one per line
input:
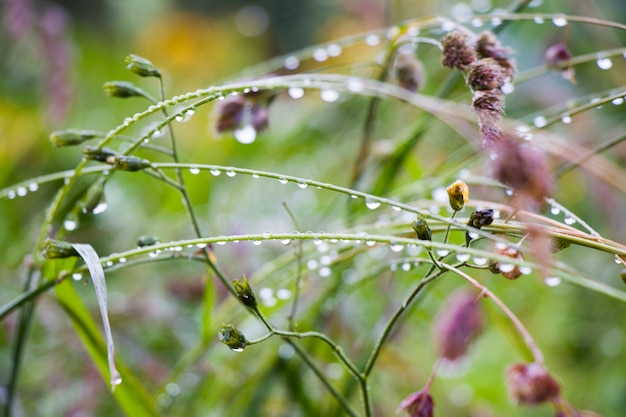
<point x="558" y="244"/>
<point x="57" y="249"/>
<point x="147" y="240"/>
<point x="458" y="193"/>
<point x="421" y="229"/>
<point x="130" y="163"/>
<point x="141" y="66"/>
<point x="122" y="89"/>
<point x="71" y="137"/>
<point x="99" y="154"/>
<point x="245" y="293"/>
<point x="93" y="197"/>
<point x="232" y="337"/>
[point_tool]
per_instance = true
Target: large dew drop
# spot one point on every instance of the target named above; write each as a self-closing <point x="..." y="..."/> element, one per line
<point x="245" y="134"/>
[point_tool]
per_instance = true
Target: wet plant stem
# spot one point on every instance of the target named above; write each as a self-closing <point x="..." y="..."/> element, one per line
<point x="296" y="290"/>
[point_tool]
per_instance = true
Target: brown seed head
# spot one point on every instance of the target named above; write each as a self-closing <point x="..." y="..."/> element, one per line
<point x="409" y="71"/>
<point x="488" y="46"/>
<point x="485" y="74"/>
<point x="556" y="56"/>
<point x="530" y="384"/>
<point x="506" y="271"/>
<point x="458" y="52"/>
<point x="457" y="325"/>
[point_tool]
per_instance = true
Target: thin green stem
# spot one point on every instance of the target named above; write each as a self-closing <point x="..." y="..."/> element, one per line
<point x="298" y="282"/>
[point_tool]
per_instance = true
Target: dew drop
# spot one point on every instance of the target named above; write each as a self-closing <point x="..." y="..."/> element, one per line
<point x="569" y="220"/>
<point x="220" y="243"/>
<point x="100" y="208"/>
<point x="473" y="235"/>
<point x="329" y="96"/>
<point x="506" y="267"/>
<point x="302" y="185"/>
<point x="396" y="247"/>
<point x="257" y="242"/>
<point x="370" y="242"/>
<point x="480" y="261"/>
<point x="333" y="50"/>
<point x="618" y="101"/>
<point x="508" y="192"/>
<point x="354" y="196"/>
<point x="292" y="62"/>
<point x="215" y="172"/>
<point x="11" y="194"/>
<point x="476" y="22"/>
<point x="312" y="264"/>
<point x="190" y="112"/>
<point x="442" y="252"/>
<point x="324" y="272"/>
<point x="539" y="20"/>
<point x="108" y="264"/>
<point x="179" y="117"/>
<point x="525" y="270"/>
<point x="372" y="40"/>
<point x="33" y="186"/>
<point x="255" y="176"/>
<point x="320" y="55"/>
<point x="77" y="276"/>
<point x="156" y="133"/>
<point x="266" y="235"/>
<point x="566" y="119"/>
<point x="552" y="281"/>
<point x="201" y="245"/>
<point x="21" y="191"/>
<point x="154" y="254"/>
<point x="555" y="210"/>
<point x="447" y="26"/>
<point x="245" y="134"/>
<point x="604" y="63"/>
<point x="285" y="241"/>
<point x="194" y="170"/>
<point x="283" y="294"/>
<point x="230" y="174"/>
<point x="371" y="204"/>
<point x="559" y="21"/>
<point x="70" y="224"/>
<point x="463" y="257"/>
<point x="406" y="266"/>
<point x="283" y="180"/>
<point x="396" y="208"/>
<point x="508" y="88"/>
<point x="618" y="260"/>
<point x="540" y="121"/>
<point x="295" y="92"/>
<point x="122" y="260"/>
<point x="354" y="85"/>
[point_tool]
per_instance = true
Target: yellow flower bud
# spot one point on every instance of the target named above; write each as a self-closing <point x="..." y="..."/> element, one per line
<point x="458" y="193"/>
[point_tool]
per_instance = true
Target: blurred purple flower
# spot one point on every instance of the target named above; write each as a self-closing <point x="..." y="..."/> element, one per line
<point x="418" y="404"/>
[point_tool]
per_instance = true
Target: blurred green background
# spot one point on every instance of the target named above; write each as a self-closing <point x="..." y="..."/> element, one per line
<point x="55" y="58"/>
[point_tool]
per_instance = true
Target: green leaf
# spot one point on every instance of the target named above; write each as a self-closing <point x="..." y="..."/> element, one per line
<point x="132" y="396"/>
<point x="92" y="260"/>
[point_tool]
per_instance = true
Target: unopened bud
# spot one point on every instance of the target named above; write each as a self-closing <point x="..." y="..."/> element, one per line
<point x="141" y="66"/>
<point x="71" y="137"/>
<point x="508" y="271"/>
<point x="147" y="240"/>
<point x="232" y="337"/>
<point x="130" y="163"/>
<point x="421" y="229"/>
<point x="556" y="56"/>
<point x="478" y="219"/>
<point x="245" y="293"/>
<point x="122" y="89"/>
<point x="99" y="154"/>
<point x="530" y="384"/>
<point x="558" y="244"/>
<point x="93" y="197"/>
<point x="458" y="193"/>
<point x="57" y="249"/>
<point x="418" y="404"/>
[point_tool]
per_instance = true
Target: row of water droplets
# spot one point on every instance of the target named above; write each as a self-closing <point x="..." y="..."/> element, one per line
<point x="22" y="191"/>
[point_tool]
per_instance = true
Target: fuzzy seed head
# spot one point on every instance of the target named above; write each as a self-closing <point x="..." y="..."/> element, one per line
<point x="485" y="74"/>
<point x="409" y="72"/>
<point x="458" y="52"/>
<point x="555" y="57"/>
<point x="530" y="384"/>
<point x="458" y="324"/>
<point x="488" y="46"/>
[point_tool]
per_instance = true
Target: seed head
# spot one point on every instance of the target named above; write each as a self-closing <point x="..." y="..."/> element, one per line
<point x="530" y="384"/>
<point x="418" y="404"/>
<point x="71" y="137"/>
<point x="122" y="89"/>
<point x="458" y="193"/>
<point x="409" y="72"/>
<point x="555" y="57"/>
<point x="488" y="46"/>
<point x="56" y="249"/>
<point x="485" y="74"/>
<point x="478" y="219"/>
<point x="458" y="52"/>
<point x="513" y="273"/>
<point x="458" y="324"/>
